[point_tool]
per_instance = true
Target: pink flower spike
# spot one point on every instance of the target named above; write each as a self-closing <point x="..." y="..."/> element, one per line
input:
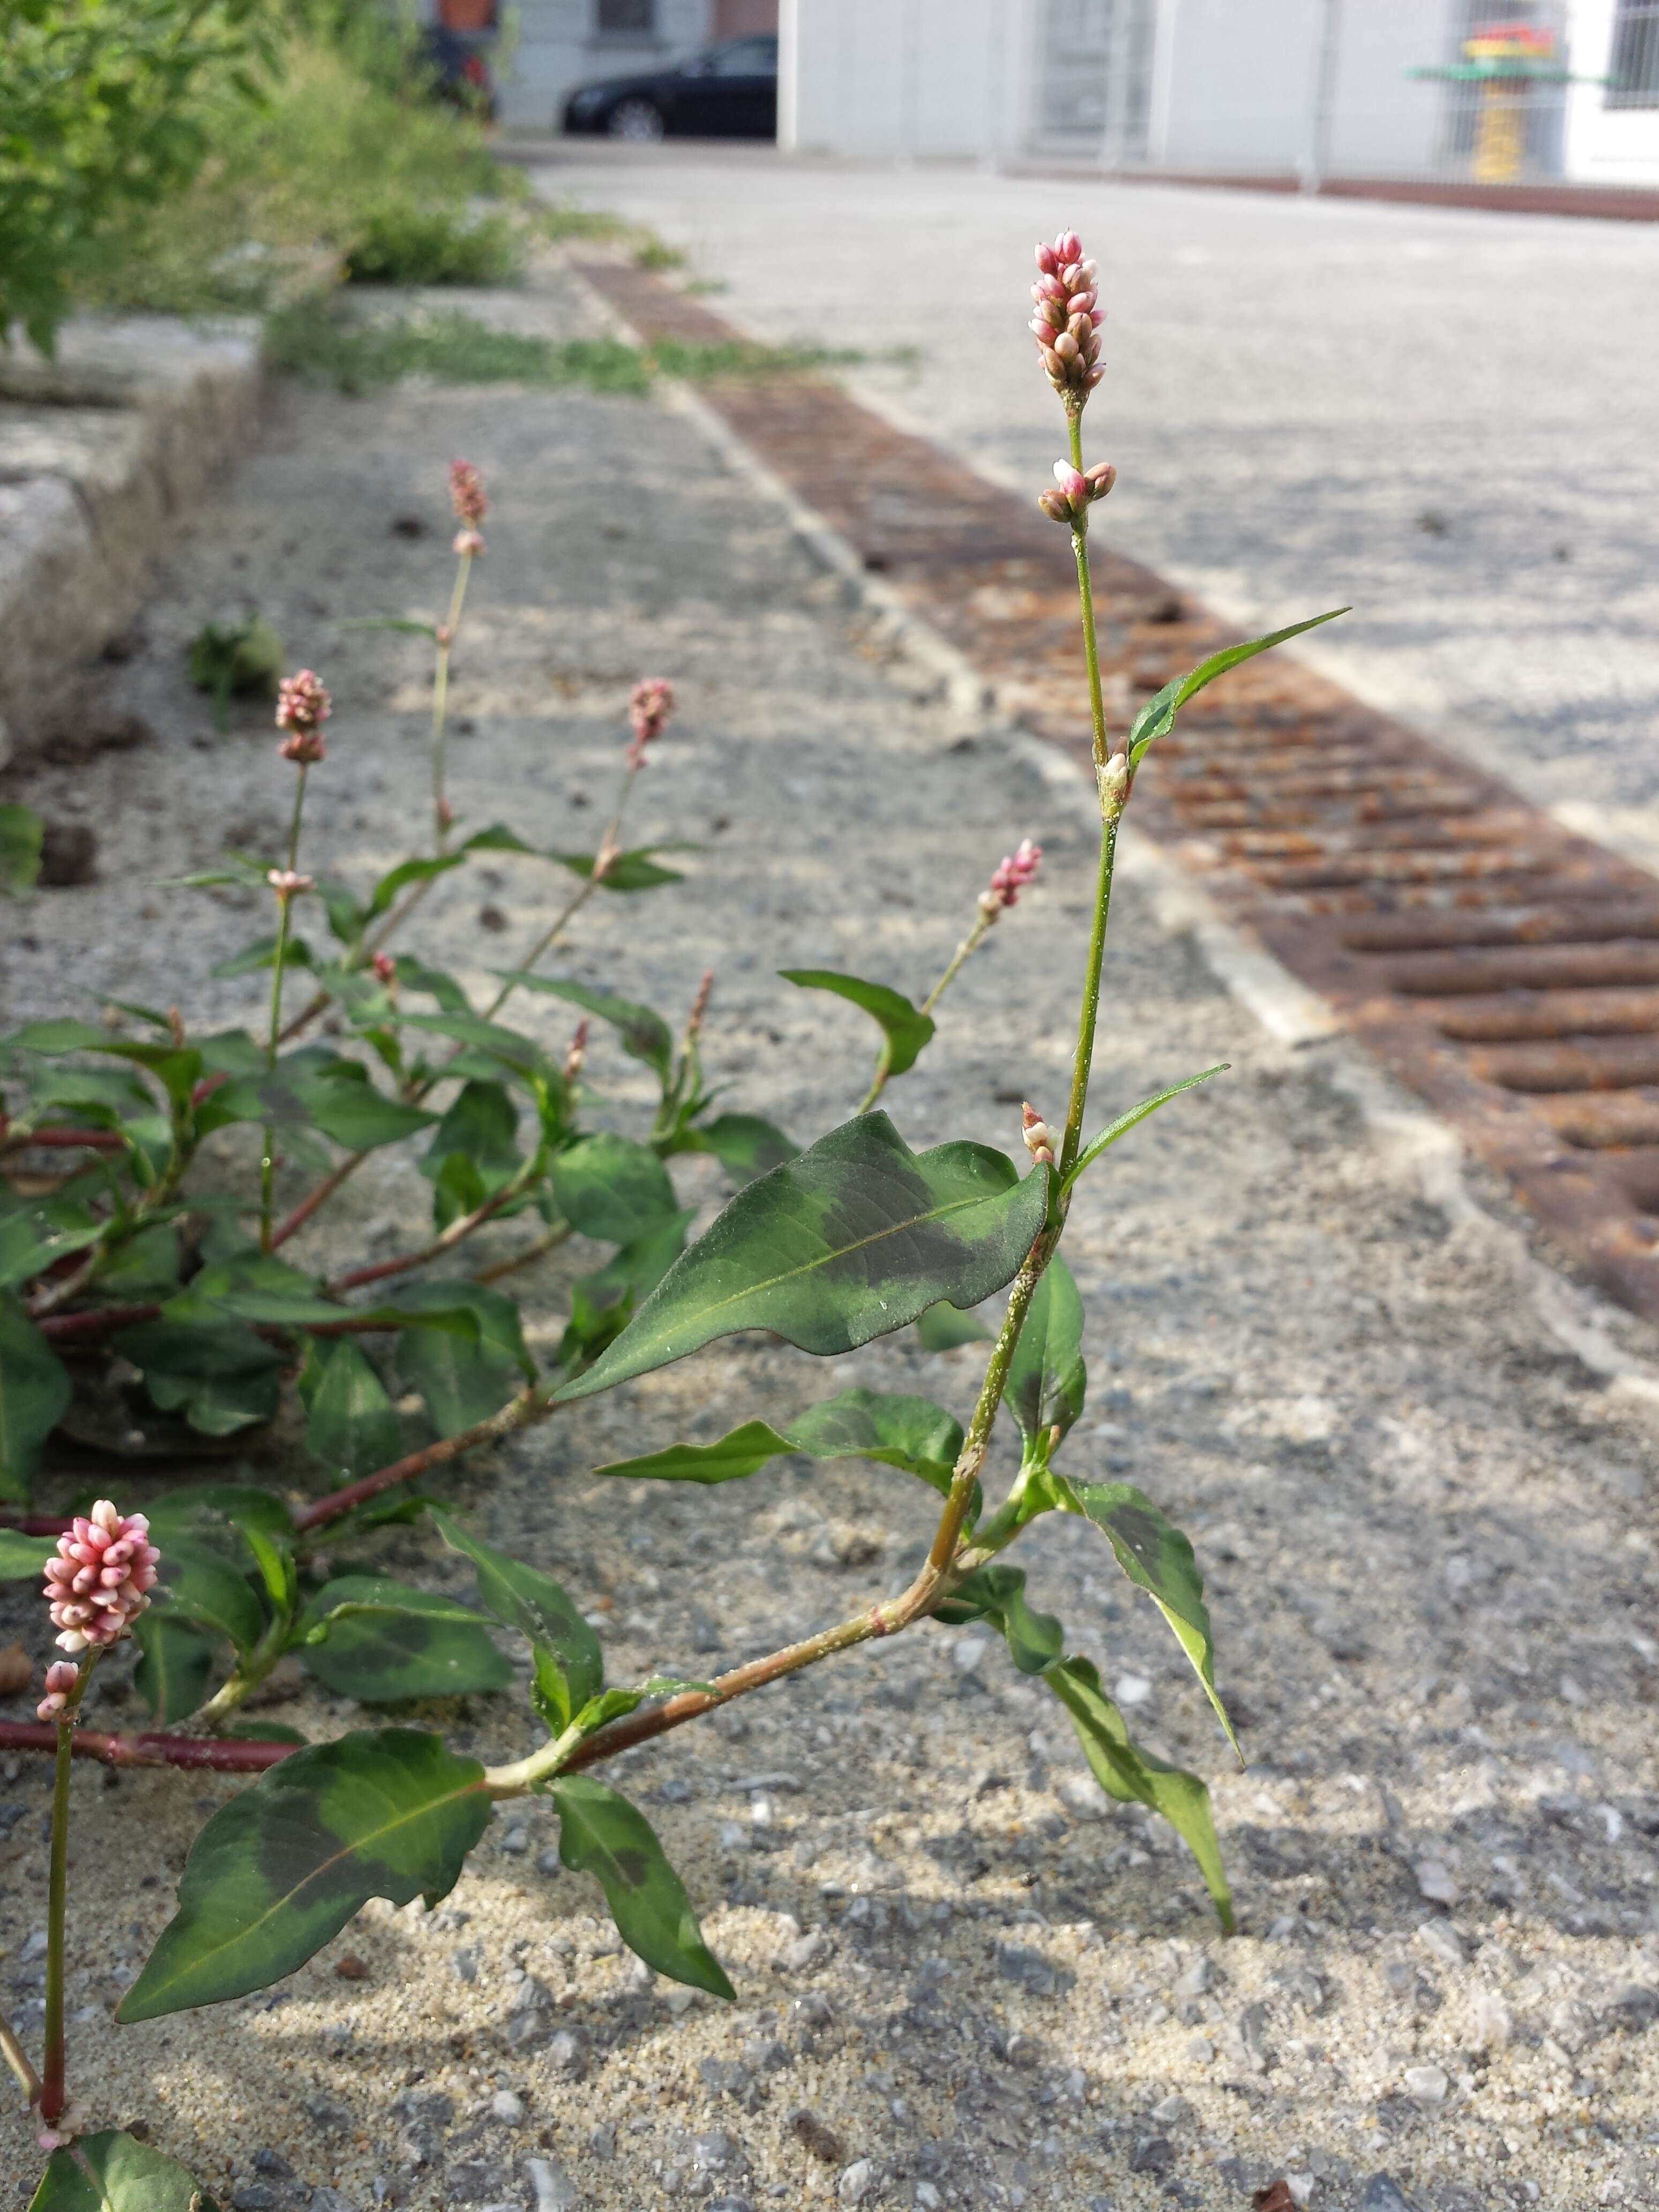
<point x="648" y="710"/>
<point x="386" y="970"/>
<point x="287" y="882"/>
<point x="1045" y="260"/>
<point x="1013" y="873"/>
<point x="577" y="1052"/>
<point x="303" y="706"/>
<point x="1068" y="317"/>
<point x="466" y="495"/>
<point x="1039" y="1137"/>
<point x="99" y="1581"/>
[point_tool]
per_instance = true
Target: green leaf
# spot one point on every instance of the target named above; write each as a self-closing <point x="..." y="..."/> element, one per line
<point x="942" y="1329"/>
<point x="34" y="1396"/>
<point x="397" y="622"/>
<point x="406" y="872"/>
<point x="602" y="1834"/>
<point x="1109" y="1135"/>
<point x="261" y="953"/>
<point x="492" y="1039"/>
<point x="195" y="1582"/>
<point x="617" y="1704"/>
<point x="176" y="1667"/>
<point x="1132" y="1776"/>
<point x="745" y="1145"/>
<point x="20" y="834"/>
<point x="642" y="1034"/>
<point x="252" y="1286"/>
<point x="628" y="871"/>
<point x="743" y="1452"/>
<point x="32" y="1237"/>
<point x="221" y="1379"/>
<point x="221" y="1514"/>
<point x="570" y="1665"/>
<point x="473" y="1151"/>
<point x="905" y="1029"/>
<point x="849" y="1242"/>
<point x="376" y="1640"/>
<point x="1046" y="1380"/>
<point x="997" y="1594"/>
<point x="146" y="1266"/>
<point x="114" y="2172"/>
<point x="612" y="1189"/>
<point x="279" y="1870"/>
<point x="886" y="1425"/>
<point x="353" y="1426"/>
<point x="463" y="1379"/>
<point x="1157" y="716"/>
<point x="1157" y="1559"/>
<point x="23" y="1557"/>
<point x="338" y="1099"/>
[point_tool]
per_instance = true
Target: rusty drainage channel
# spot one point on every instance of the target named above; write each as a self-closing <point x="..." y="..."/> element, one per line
<point x="1505" y="970"/>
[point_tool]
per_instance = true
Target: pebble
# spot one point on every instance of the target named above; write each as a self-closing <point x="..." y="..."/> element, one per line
<point x="1131" y="1689"/>
<point x="547" y="1862"/>
<point x="857" y="2181"/>
<point x="1198" y="1980"/>
<point x="1437" y="1881"/>
<point x="1442" y="1940"/>
<point x="1172" y="2113"/>
<point x="967" y="1653"/>
<point x="555" y="2191"/>
<point x="1384" y="2194"/>
<point x="1494" y="2023"/>
<point x="1427" y="2085"/>
<point x="516" y="1842"/>
<point x="507" y="2108"/>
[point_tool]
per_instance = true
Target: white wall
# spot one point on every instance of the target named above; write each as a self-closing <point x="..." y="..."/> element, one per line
<point x="553" y="47"/>
<point x="902" y="79"/>
<point x="1383" y="122"/>
<point x="1605" y="145"/>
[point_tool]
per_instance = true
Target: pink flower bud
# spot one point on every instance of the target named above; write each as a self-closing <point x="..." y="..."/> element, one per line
<point x="1013" y="873"/>
<point x="648" y="710"/>
<point x="1068" y="248"/>
<point x="1045" y="260"/>
<point x="287" y="882"/>
<point x="1072" y="482"/>
<point x="1039" y="1139"/>
<point x="98" y="1582"/>
<point x="1068" y="305"/>
<point x="466" y="495"/>
<point x="577" y="1052"/>
<point x="386" y="970"/>
<point x="1055" y="506"/>
<point x="61" y="1678"/>
<point x="469" y="543"/>
<point x="302" y="706"/>
<point x="700" y="1004"/>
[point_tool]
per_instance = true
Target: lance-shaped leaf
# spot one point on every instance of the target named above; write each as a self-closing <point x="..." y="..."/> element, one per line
<point x="32" y="1237"/>
<point x="602" y="1834"/>
<point x="34" y="1395"/>
<point x="114" y="2172"/>
<point x="196" y="1584"/>
<point x="634" y="871"/>
<point x="642" y="1034"/>
<point x="1157" y="716"/>
<point x="1047" y="1378"/>
<point x="221" y="1515"/>
<point x="617" y="1704"/>
<point x="478" y="1133"/>
<point x="1156" y="1556"/>
<point x="1109" y="1135"/>
<point x="23" y="1558"/>
<point x="335" y="1097"/>
<point x="570" y="1665"/>
<point x="852" y="1240"/>
<point x="464" y="1378"/>
<point x="261" y="953"/>
<point x="912" y="1433"/>
<point x="376" y="1640"/>
<point x="997" y="1594"/>
<point x="384" y="894"/>
<point x="1133" y="1776"/>
<point x="905" y="1029"/>
<point x="353" y="1425"/>
<point x="279" y="1870"/>
<point x="612" y="1189"/>
<point x="177" y="1665"/>
<point x="745" y="1145"/>
<point x="221" y="1379"/>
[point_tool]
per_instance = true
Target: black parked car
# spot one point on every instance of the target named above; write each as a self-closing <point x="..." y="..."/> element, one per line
<point x="727" y="91"/>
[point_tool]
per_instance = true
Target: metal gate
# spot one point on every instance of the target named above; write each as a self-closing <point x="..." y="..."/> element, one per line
<point x="1094" y="80"/>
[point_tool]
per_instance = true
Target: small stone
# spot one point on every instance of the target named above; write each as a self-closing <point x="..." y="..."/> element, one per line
<point x="928" y="2196"/>
<point x="1173" y="2112"/>
<point x="555" y="2191"/>
<point x="547" y="1862"/>
<point x="1301" y="2186"/>
<point x="465" y="1963"/>
<point x="1494" y="2023"/>
<point x="507" y="2108"/>
<point x="1201" y="2050"/>
<point x="351" y="1968"/>
<point x="329" y="2200"/>
<point x="1437" y="1881"/>
<point x="1442" y="1940"/>
<point x="272" y="2165"/>
<point x="563" y="2051"/>
<point x="1384" y="2194"/>
<point x="805" y="1951"/>
<point x="68" y="854"/>
<point x="680" y="2000"/>
<point x="331" y="2119"/>
<point x="968" y="1651"/>
<point x="602" y="2141"/>
<point x="1198" y="1980"/>
<point x="516" y="1842"/>
<point x="857" y="2181"/>
<point x="1131" y="1689"/>
<point x="818" y="2137"/>
<point x="1152" y="2154"/>
<point x="255" y="2197"/>
<point x="1082" y="1796"/>
<point x="35" y="1947"/>
<point x="1427" y="2085"/>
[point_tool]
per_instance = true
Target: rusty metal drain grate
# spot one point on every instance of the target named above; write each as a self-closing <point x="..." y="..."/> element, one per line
<point x="1505" y="970"/>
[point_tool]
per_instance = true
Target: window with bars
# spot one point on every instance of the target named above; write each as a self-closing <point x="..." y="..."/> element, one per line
<point x="1633" y="67"/>
<point x="625" y="18"/>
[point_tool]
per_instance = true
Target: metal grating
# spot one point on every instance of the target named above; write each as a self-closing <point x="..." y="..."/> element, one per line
<point x="1505" y="970"/>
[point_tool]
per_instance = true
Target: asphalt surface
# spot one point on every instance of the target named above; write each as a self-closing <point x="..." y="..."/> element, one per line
<point x="1449" y="418"/>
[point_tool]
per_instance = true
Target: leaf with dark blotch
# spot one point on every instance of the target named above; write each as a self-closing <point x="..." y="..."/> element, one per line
<point x="1157" y="716"/>
<point x="602" y="1834"/>
<point x="220" y="1514"/>
<point x="745" y="1145"/>
<point x="280" y="1870"/>
<point x="1047" y="1379"/>
<point x="115" y="2172"/>
<point x="1132" y="1776"/>
<point x="1156" y="1556"/>
<point x="177" y="1665"/>
<point x="849" y="1242"/>
<point x="197" y="1584"/>
<point x="352" y="1426"/>
<point x="221" y="1379"/>
<point x="570" y="1665"/>
<point x="1109" y="1135"/>
<point x="376" y="1640"/>
<point x="642" y="1034"/>
<point x="743" y="1452"/>
<point x="252" y="1286"/>
<point x="997" y="1594"/>
<point x="338" y="1099"/>
<point x="609" y="1188"/>
<point x="905" y="1029"/>
<point x="463" y="1379"/>
<point x="34" y="1395"/>
<point x="23" y="1558"/>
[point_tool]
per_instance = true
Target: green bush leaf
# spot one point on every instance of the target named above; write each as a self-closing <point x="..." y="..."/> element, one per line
<point x="745" y="1145"/>
<point x="1131" y="1775"/>
<point x="1157" y="716"/>
<point x="22" y="1558"/>
<point x="570" y="1665"/>
<point x="1047" y="1379"/>
<point x="852" y="1240"/>
<point x="1157" y="1559"/>
<point x="463" y="1379"/>
<point x="112" y="2172"/>
<point x="1109" y="1135"/>
<point x="177" y="1664"/>
<point x="609" y="1188"/>
<point x="376" y="1640"/>
<point x="196" y="1583"/>
<point x="337" y="1098"/>
<point x="32" y="1237"/>
<point x="743" y="1452"/>
<point x="252" y="1286"/>
<point x="221" y="1379"/>
<point x="905" y="1029"/>
<point x="34" y="1395"/>
<point x="279" y="1870"/>
<point x="997" y="1594"/>
<point x="220" y="1514"/>
<point x="642" y="1034"/>
<point x="21" y="833"/>
<point x="602" y="1834"/>
<point x="352" y="1426"/>
<point x="261" y="953"/>
<point x="886" y="1425"/>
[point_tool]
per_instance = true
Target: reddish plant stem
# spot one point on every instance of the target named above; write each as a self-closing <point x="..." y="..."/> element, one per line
<point x="94" y="1140"/>
<point x="452" y="1236"/>
<point x="219" y="1755"/>
<point x="518" y="1413"/>
<point x="308" y="1205"/>
<point x="94" y="1321"/>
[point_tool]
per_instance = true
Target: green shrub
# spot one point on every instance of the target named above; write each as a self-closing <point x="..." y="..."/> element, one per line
<point x="402" y="241"/>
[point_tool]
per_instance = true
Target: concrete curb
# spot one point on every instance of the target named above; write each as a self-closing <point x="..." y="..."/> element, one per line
<point x="103" y="454"/>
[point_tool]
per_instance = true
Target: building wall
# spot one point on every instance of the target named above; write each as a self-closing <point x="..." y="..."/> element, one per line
<point x="554" y="45"/>
<point x="1605" y="145"/>
<point x="903" y="79"/>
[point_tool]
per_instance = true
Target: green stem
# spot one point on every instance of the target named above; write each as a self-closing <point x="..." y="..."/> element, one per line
<point x="285" y="903"/>
<point x="52" y="2098"/>
<point x="970" y="945"/>
<point x="573" y="907"/>
<point x="1087" y="598"/>
<point x="250" y="1671"/>
<point x="440" y="699"/>
<point x="17" y="2058"/>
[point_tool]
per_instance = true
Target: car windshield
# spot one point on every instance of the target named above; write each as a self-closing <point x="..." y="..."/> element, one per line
<point x="736" y="58"/>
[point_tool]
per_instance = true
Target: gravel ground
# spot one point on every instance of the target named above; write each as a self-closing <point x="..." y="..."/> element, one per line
<point x="1448" y="417"/>
<point x="963" y="1979"/>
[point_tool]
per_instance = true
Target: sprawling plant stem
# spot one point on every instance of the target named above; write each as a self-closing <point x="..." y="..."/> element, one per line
<point x="520" y="1412"/>
<point x="456" y="1231"/>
